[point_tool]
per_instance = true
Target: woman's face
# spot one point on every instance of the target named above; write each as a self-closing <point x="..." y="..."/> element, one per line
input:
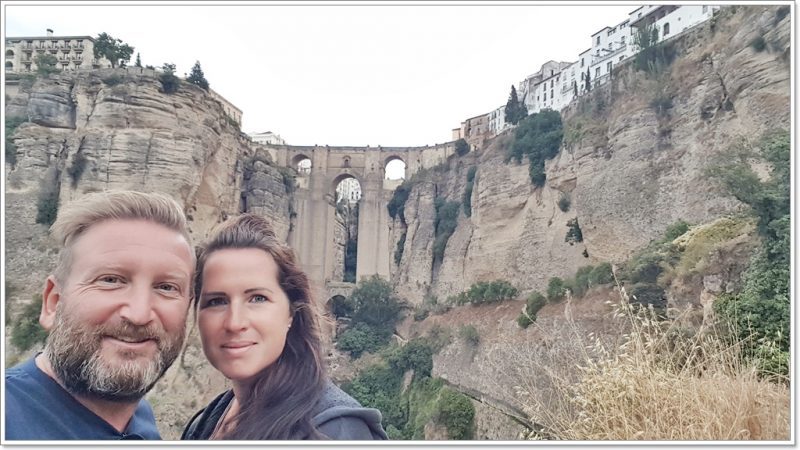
<point x="243" y="314"/>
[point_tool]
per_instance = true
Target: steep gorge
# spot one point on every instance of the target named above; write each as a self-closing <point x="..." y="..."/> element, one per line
<point x="629" y="170"/>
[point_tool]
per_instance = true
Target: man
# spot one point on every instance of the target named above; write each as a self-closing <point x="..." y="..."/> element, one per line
<point x="115" y="307"/>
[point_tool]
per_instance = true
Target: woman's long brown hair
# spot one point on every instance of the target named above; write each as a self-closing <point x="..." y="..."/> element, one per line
<point x="280" y="403"/>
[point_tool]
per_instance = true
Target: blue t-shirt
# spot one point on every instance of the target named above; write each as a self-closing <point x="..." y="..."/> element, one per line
<point x="38" y="408"/>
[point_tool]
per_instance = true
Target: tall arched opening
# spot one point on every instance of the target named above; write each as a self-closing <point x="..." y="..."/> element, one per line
<point x="347" y="195"/>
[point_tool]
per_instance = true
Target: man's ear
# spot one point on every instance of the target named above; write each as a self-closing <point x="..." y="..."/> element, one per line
<point x="50" y="298"/>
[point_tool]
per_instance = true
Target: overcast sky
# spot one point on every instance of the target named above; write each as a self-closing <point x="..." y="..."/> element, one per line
<point x="358" y="74"/>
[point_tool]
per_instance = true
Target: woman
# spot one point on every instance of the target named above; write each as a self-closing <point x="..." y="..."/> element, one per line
<point x="259" y="327"/>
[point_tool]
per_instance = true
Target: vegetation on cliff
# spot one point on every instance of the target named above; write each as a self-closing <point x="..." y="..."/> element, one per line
<point x="538" y="137"/>
<point x="760" y="312"/>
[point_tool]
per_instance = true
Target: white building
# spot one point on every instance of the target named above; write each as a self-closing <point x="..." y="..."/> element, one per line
<point x="538" y="91"/>
<point x="610" y="46"/>
<point x="497" y="121"/>
<point x="71" y="52"/>
<point x="267" y="137"/>
<point x="670" y="20"/>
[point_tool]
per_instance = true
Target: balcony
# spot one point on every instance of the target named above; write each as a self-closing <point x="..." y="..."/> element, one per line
<point x="609" y="54"/>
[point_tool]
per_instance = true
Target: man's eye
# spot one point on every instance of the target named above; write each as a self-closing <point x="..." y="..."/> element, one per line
<point x="168" y="287"/>
<point x="110" y="279"/>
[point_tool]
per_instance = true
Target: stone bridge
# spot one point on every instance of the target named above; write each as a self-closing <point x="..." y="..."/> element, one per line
<point x="312" y="236"/>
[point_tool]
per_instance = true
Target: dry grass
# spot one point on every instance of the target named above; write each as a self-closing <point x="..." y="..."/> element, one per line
<point x="655" y="380"/>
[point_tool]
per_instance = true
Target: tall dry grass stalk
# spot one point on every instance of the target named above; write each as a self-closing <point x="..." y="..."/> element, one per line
<point x="654" y="380"/>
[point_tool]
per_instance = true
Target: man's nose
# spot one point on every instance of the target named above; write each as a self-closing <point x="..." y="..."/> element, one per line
<point x="138" y="306"/>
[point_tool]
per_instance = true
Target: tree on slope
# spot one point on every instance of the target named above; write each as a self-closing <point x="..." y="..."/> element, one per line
<point x="197" y="77"/>
<point x="114" y="50"/>
<point x="515" y="110"/>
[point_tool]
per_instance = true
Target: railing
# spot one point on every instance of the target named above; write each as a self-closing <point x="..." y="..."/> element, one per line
<point x="610" y="54"/>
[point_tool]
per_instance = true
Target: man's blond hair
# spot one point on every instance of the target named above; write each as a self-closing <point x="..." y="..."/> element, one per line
<point x="76" y="217"/>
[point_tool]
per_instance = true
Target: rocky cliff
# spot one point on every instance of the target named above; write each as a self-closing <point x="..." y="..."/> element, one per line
<point x="634" y="160"/>
<point x="629" y="169"/>
<point x="115" y="129"/>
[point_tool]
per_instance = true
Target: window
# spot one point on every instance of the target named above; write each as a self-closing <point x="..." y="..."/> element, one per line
<point x="545" y="96"/>
<point x="610" y="46"/>
<point x="581" y="62"/>
<point x="551" y="83"/>
<point x="666" y="29"/>
<point x="551" y="94"/>
<point x="622" y="40"/>
<point x="620" y="58"/>
<point x="705" y="9"/>
<point x="596" y="73"/>
<point x="598" y="40"/>
<point x="608" y="67"/>
<point x="551" y="73"/>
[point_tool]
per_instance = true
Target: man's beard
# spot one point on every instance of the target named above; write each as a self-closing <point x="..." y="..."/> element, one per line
<point x="74" y="351"/>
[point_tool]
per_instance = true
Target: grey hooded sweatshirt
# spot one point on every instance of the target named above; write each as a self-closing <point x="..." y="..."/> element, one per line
<point x="337" y="415"/>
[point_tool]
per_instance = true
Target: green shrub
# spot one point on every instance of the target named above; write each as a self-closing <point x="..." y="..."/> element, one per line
<point x="556" y="289"/>
<point x="398" y="251"/>
<point x="11" y="124"/>
<point x="601" y="274"/>
<point x="538" y="136"/>
<point x="661" y="104"/>
<point x="581" y="282"/>
<point x="564" y="202"/>
<point x="574" y="233"/>
<point x="648" y="294"/>
<point x="439" y="337"/>
<point x="378" y="386"/>
<point x="758" y="44"/>
<point x="471" y="173"/>
<point x="75" y="171"/>
<point x="653" y="57"/>
<point x="374" y="303"/>
<point x="26" y="331"/>
<point x="456" y="412"/>
<point x="462" y="148"/>
<point x="363" y="338"/>
<point x="47" y="206"/>
<point x="341" y="307"/>
<point x="46" y="64"/>
<point x="645" y="269"/>
<point x="467" y="199"/>
<point x="397" y="203"/>
<point x="761" y="311"/>
<point x="169" y="82"/>
<point x="488" y="292"/>
<point x="676" y="230"/>
<point x="523" y="321"/>
<point x="416" y="355"/>
<point x="534" y="303"/>
<point x="444" y="224"/>
<point x="470" y="335"/>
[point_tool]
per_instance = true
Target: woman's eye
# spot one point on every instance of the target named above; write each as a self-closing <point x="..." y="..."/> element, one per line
<point x="258" y="299"/>
<point x="212" y="302"/>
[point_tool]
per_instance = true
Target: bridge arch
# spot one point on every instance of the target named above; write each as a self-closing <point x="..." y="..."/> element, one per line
<point x="302" y="164"/>
<point x="316" y="224"/>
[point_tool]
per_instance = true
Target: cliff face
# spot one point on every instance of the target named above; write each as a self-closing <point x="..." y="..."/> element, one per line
<point x="126" y="134"/>
<point x="629" y="170"/>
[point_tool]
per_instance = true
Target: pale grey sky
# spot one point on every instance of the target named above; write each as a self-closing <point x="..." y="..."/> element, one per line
<point x="345" y="74"/>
